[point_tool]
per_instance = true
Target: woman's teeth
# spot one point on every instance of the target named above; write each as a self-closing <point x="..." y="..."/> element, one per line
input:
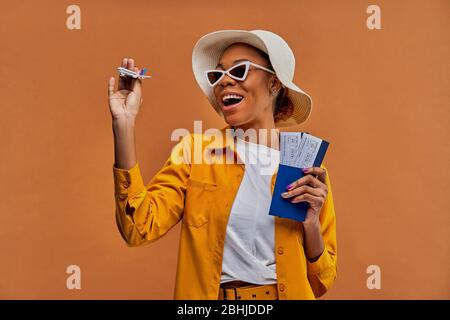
<point x="231" y="99"/>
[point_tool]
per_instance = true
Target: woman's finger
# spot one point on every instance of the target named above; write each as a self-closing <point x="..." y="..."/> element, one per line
<point x="318" y="192"/>
<point x="306" y="197"/>
<point x="130" y="64"/>
<point x="321" y="173"/>
<point x="122" y="83"/>
<point x="111" y="86"/>
<point x="307" y="180"/>
<point x="130" y="80"/>
<point x="137" y="84"/>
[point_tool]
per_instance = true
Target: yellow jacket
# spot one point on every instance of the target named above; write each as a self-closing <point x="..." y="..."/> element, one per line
<point x="201" y="196"/>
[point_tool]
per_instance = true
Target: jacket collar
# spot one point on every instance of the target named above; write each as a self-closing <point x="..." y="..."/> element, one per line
<point x="227" y="140"/>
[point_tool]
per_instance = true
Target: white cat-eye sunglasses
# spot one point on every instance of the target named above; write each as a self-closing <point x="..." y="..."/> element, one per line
<point x="238" y="72"/>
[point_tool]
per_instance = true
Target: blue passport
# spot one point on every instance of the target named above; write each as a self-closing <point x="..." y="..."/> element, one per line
<point x="282" y="207"/>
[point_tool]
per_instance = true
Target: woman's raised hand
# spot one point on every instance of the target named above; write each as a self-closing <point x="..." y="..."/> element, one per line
<point x="125" y="102"/>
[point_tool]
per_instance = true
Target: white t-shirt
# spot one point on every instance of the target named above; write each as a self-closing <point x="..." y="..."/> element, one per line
<point x="250" y="235"/>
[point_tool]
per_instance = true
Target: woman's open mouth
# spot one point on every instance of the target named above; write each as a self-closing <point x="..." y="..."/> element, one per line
<point x="231" y="101"/>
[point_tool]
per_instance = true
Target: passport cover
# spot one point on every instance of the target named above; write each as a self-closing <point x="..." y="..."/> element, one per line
<point x="282" y="207"/>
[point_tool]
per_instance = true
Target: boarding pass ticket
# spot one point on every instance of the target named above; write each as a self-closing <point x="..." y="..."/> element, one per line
<point x="298" y="149"/>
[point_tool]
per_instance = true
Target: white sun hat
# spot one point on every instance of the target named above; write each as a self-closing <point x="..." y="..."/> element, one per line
<point x="209" y="48"/>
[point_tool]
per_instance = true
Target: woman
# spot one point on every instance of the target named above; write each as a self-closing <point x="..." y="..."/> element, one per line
<point x="230" y="248"/>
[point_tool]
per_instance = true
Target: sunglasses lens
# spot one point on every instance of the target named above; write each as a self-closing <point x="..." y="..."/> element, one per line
<point x="239" y="71"/>
<point x="213" y="76"/>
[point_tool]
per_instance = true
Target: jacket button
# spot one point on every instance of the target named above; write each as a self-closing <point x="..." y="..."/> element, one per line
<point x="280" y="250"/>
<point x="282" y="287"/>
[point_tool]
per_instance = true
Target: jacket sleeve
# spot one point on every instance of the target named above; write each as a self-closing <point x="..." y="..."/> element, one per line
<point x="322" y="272"/>
<point x="146" y="213"/>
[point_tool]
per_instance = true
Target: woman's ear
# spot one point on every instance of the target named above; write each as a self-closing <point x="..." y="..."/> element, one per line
<point x="274" y="84"/>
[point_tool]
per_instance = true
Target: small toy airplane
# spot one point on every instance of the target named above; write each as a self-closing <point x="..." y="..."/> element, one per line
<point x="123" y="72"/>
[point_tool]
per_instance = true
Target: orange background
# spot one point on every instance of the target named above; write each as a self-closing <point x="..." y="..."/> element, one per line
<point x="379" y="96"/>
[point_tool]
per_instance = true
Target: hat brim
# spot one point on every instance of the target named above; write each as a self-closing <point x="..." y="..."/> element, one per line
<point x="209" y="48"/>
